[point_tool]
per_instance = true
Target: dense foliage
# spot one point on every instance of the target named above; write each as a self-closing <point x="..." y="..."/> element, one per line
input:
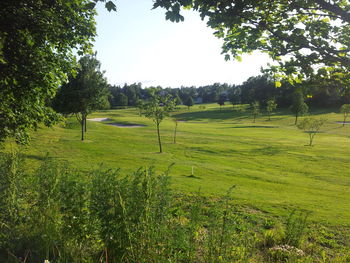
<point x="57" y="214"/>
<point x="35" y="55"/>
<point x="257" y="88"/>
<point x="128" y="95"/>
<point x="84" y="92"/>
<point x="37" y="40"/>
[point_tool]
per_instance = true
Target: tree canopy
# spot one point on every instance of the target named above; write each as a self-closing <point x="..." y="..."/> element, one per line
<point x="188" y="101"/>
<point x="157" y="108"/>
<point x="345" y="110"/>
<point x="37" y="40"/>
<point x="85" y="92"/>
<point x="309" y="38"/>
<point x="311" y="126"/>
<point x="222" y="99"/>
<point x="270" y="107"/>
<point x="298" y="107"/>
<point x="255" y="109"/>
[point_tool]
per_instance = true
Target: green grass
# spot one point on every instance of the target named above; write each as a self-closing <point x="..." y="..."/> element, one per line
<point x="268" y="161"/>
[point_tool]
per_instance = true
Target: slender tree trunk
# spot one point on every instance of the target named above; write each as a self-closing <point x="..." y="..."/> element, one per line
<point x="85" y="123"/>
<point x="254" y="118"/>
<point x="175" y="131"/>
<point x="82" y="127"/>
<point x="296" y="119"/>
<point x="312" y="135"/>
<point x="269" y="115"/>
<point x="106" y="254"/>
<point x="159" y="141"/>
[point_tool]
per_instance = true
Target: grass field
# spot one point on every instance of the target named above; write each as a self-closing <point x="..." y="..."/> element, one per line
<point x="268" y="161"/>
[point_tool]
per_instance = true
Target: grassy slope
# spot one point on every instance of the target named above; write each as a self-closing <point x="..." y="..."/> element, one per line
<point x="267" y="161"/>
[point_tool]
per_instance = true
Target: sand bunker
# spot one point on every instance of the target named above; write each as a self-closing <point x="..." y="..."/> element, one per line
<point x="98" y="119"/>
<point x="340" y="122"/>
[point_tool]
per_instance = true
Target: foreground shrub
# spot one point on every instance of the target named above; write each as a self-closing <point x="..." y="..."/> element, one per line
<point x="62" y="215"/>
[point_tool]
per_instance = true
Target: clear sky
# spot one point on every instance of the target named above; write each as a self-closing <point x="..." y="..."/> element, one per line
<point x="137" y="44"/>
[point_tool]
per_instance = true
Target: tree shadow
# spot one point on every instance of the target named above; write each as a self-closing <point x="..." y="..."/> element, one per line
<point x="123" y="123"/>
<point x="234" y="114"/>
<point x="191" y="176"/>
<point x="36" y="157"/>
<point x="250" y="126"/>
<point x="211" y="114"/>
<point x="268" y="150"/>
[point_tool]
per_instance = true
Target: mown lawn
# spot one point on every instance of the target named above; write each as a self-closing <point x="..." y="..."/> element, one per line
<point x="268" y="161"/>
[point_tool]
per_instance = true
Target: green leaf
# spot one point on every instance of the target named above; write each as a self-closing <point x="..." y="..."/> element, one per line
<point x="90" y="6"/>
<point x="111" y="6"/>
<point x="238" y="58"/>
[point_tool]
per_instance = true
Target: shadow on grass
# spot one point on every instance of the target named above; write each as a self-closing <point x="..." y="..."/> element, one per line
<point x="203" y="150"/>
<point x="267" y="150"/>
<point x="192" y="177"/>
<point x="252" y="126"/>
<point x="228" y="113"/>
<point x="36" y="157"/>
<point x="123" y="123"/>
<point x="320" y="111"/>
<point x="262" y="179"/>
<point x="211" y="114"/>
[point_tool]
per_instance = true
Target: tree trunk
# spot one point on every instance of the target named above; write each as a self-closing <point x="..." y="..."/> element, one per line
<point x="269" y="115"/>
<point x="254" y="118"/>
<point x="159" y="141"/>
<point x="296" y="119"/>
<point x="312" y="135"/>
<point x="175" y="131"/>
<point x="82" y="127"/>
<point x="85" y="123"/>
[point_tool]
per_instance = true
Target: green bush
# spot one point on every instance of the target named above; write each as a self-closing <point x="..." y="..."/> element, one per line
<point x="295" y="228"/>
<point x="62" y="215"/>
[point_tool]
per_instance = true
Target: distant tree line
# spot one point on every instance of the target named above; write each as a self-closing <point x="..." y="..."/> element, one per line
<point x="260" y="89"/>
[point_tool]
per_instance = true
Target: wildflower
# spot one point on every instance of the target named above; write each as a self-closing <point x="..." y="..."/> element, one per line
<point x="288" y="249"/>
